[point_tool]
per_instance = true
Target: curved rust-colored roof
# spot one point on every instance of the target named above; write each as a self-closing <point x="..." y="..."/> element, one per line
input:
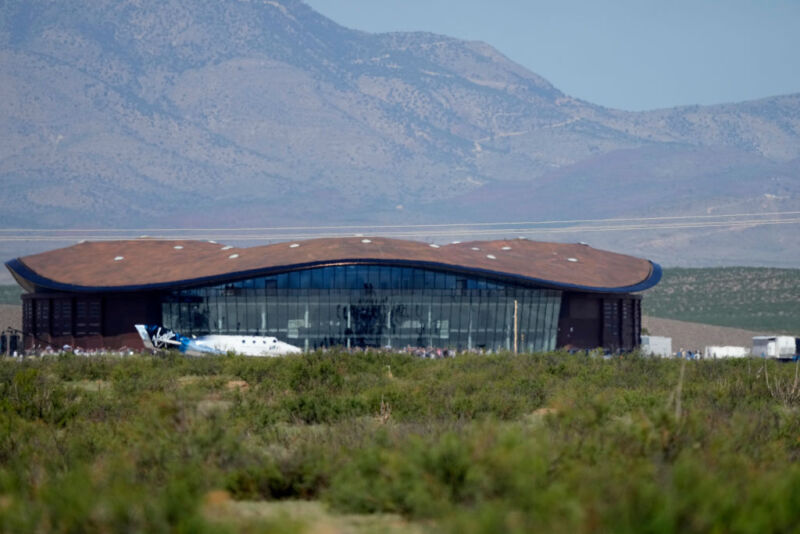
<point x="151" y="263"/>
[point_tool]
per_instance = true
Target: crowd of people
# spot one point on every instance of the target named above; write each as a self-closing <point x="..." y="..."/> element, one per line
<point x="430" y="353"/>
<point x="47" y="350"/>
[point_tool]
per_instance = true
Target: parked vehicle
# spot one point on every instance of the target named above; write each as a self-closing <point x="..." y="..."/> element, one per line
<point x="779" y="347"/>
<point x="657" y="346"/>
<point x="725" y="351"/>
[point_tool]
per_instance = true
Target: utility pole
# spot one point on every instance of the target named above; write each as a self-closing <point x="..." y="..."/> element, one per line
<point x="515" y="326"/>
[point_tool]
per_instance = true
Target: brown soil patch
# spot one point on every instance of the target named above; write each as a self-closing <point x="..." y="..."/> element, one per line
<point x="240" y="385"/>
<point x="10" y="315"/>
<point x="216" y="498"/>
<point x="90" y="385"/>
<point x="303" y="516"/>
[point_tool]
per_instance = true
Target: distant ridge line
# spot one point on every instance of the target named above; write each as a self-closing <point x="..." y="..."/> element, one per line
<point x="440" y="225"/>
<point x="420" y="234"/>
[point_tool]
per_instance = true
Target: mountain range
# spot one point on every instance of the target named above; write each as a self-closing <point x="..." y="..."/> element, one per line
<point x="242" y="113"/>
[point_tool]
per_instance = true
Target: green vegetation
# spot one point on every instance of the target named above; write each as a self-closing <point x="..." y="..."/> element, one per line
<point x="375" y="442"/>
<point x="753" y="298"/>
<point x="9" y="294"/>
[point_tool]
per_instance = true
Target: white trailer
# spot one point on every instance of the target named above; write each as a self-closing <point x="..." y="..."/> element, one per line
<point x="781" y="347"/>
<point x="657" y="346"/>
<point x="725" y="351"/>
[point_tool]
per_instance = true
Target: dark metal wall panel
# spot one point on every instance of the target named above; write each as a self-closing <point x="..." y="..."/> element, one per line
<point x="42" y="316"/>
<point x="590" y="320"/>
<point x="88" y="316"/>
<point x="28" y="325"/>
<point x="87" y="321"/>
<point x="62" y="316"/>
<point x="122" y="311"/>
<point x="612" y="336"/>
<point x="627" y="325"/>
<point x="579" y="325"/>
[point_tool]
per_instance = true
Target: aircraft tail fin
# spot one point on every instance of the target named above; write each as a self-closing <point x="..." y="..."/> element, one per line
<point x="142" y="330"/>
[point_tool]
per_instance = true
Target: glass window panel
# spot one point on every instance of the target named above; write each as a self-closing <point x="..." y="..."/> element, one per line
<point x="430" y="280"/>
<point x="317" y="278"/>
<point x="305" y="279"/>
<point x="387" y="305"/>
<point x="351" y="280"/>
<point x="385" y="275"/>
<point x="184" y="324"/>
<point x="337" y="275"/>
<point x="450" y="281"/>
<point x="272" y="314"/>
<point x="166" y="314"/>
<point x="253" y="313"/>
<point x="213" y="314"/>
<point x="294" y="280"/>
<point x="539" y="322"/>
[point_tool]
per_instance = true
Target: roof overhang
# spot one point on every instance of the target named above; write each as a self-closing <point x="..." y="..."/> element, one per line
<point x="153" y="265"/>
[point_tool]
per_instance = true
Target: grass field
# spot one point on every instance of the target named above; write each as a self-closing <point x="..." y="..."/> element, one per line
<point x="752" y="298"/>
<point x="376" y="442"/>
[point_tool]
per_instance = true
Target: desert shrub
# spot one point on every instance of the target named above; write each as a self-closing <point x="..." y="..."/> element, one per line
<point x="300" y="474"/>
<point x="79" y="501"/>
<point x="517" y="443"/>
<point x="34" y="394"/>
<point x="321" y="408"/>
<point x="69" y="366"/>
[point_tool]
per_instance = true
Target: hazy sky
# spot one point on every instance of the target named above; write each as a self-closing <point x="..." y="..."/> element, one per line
<point x="627" y="54"/>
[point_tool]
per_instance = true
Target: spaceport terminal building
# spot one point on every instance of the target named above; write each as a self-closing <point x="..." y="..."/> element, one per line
<point x="505" y="295"/>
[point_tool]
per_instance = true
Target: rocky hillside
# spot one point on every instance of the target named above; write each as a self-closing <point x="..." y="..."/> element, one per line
<point x="131" y="113"/>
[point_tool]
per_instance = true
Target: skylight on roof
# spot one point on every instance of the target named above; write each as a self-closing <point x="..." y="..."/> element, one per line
<point x="227" y="247"/>
<point x="178" y="247"/>
<point x="294" y="245"/>
<point x="233" y="256"/>
<point x="433" y="245"/>
<point x="119" y="258"/>
<point x="491" y="256"/>
<point x="366" y="241"/>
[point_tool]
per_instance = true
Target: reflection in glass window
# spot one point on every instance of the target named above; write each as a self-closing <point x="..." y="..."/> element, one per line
<point x="369" y="305"/>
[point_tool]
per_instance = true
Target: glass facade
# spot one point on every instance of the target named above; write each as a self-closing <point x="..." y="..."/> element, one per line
<point x="372" y="305"/>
